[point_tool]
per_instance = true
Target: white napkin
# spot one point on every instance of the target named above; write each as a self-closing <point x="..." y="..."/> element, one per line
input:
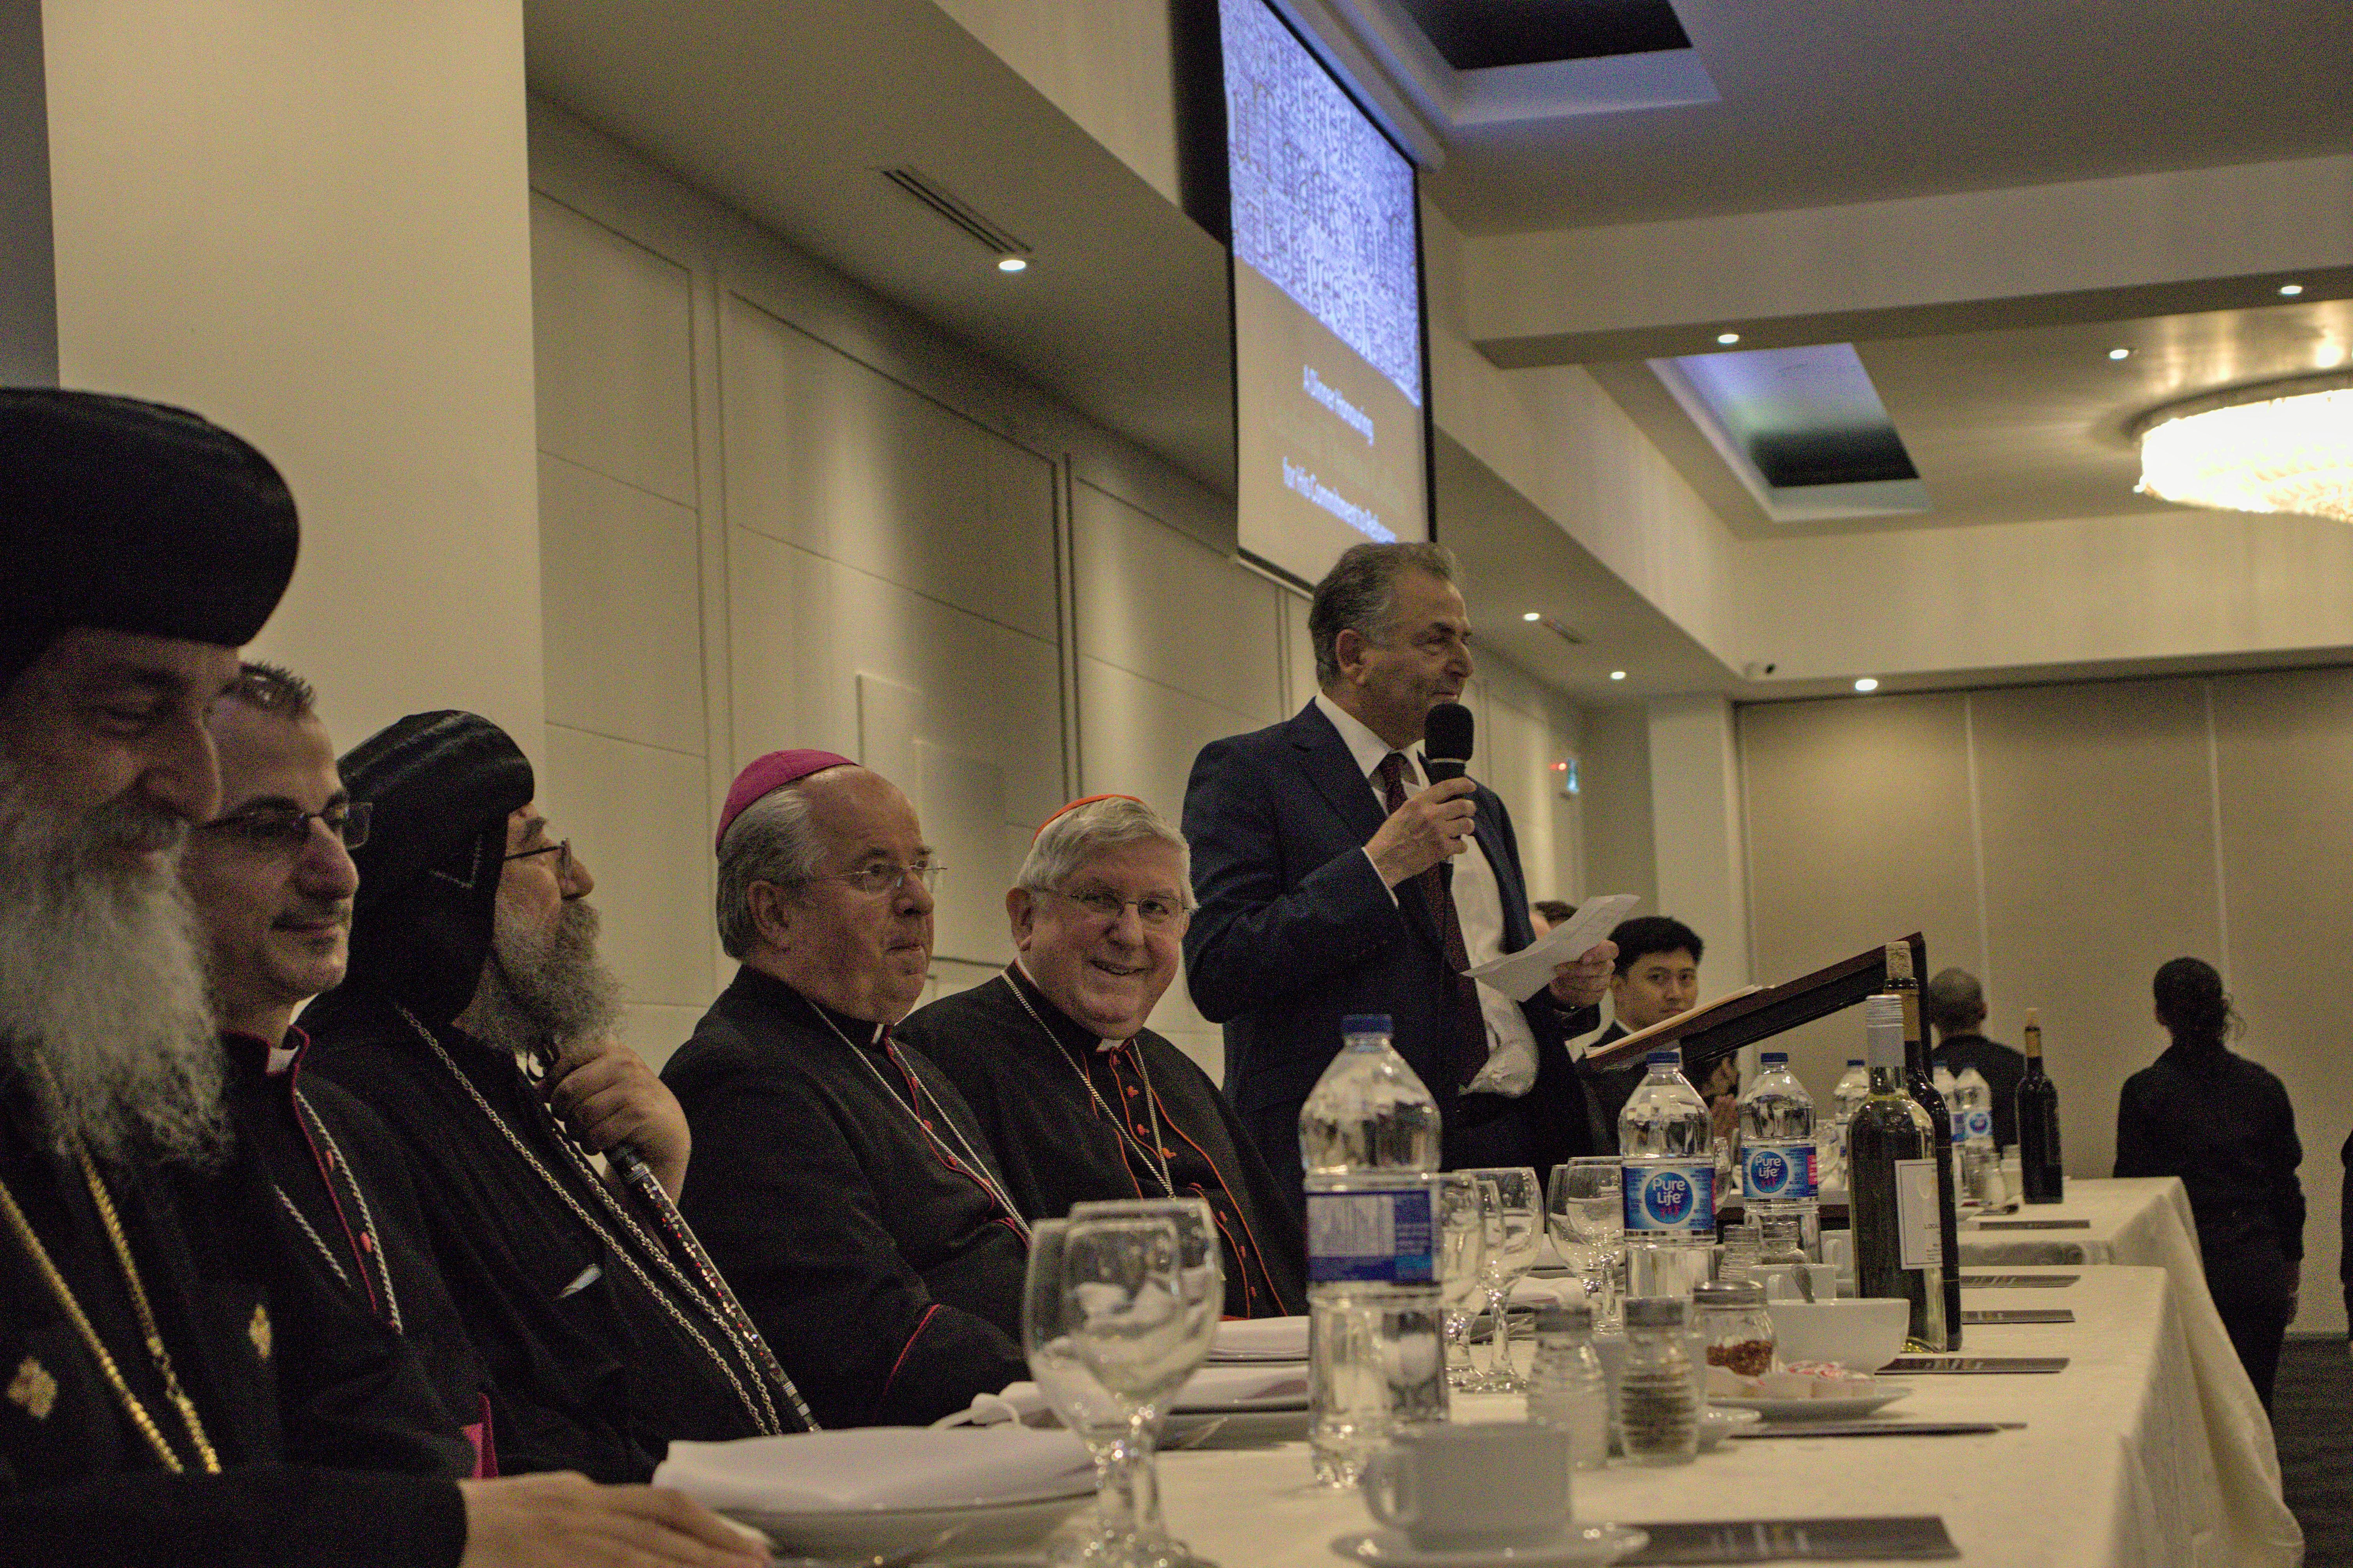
<point x="1261" y="1339"/>
<point x="872" y="1467"/>
<point x="1216" y="1387"/>
<point x="1528" y="1291"/>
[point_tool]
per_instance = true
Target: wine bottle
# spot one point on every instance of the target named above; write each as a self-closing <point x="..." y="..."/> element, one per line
<point x="1906" y="986"/>
<point x="2041" y="1171"/>
<point x="1892" y="1160"/>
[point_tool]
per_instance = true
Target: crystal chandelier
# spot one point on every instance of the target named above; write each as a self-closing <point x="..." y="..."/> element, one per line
<point x="2280" y="446"/>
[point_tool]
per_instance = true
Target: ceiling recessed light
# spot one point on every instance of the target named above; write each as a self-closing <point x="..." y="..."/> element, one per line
<point x="1012" y="263"/>
<point x="1531" y="616"/>
<point x="1617" y="675"/>
<point x="2120" y="354"/>
<point x="2291" y="289"/>
<point x="1727" y="339"/>
<point x="1866" y="684"/>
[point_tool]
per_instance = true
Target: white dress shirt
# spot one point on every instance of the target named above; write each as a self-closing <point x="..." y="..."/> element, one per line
<point x="1511" y="1067"/>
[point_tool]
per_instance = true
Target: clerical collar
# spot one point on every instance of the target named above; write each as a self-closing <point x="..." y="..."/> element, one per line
<point x="1067" y="1031"/>
<point x="864" y="1031"/>
<point x="260" y="1056"/>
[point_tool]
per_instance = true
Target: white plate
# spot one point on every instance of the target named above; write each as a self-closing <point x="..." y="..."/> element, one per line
<point x="1715" y="1425"/>
<point x="1578" y="1544"/>
<point x="1247" y="1428"/>
<point x="1849" y="1406"/>
<point x="974" y="1529"/>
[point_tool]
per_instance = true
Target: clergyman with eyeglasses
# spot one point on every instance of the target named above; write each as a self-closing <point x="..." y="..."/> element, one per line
<point x="478" y="1019"/>
<point x="1081" y="1101"/>
<point x="840" y="1181"/>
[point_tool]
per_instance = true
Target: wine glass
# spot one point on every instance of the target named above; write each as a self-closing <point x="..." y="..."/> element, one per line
<point x="1462" y="1252"/>
<point x="1514" y="1238"/>
<point x="1162" y="1355"/>
<point x="1079" y="1397"/>
<point x="1586" y="1208"/>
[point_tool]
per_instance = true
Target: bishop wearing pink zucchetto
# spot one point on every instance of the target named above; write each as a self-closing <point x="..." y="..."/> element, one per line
<point x="841" y="1184"/>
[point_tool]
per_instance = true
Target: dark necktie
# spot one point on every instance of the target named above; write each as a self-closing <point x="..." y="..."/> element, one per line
<point x="1465" y="1046"/>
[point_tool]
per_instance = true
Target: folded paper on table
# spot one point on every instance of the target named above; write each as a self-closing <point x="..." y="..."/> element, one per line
<point x="1530" y="1291"/>
<point x="1522" y="974"/>
<point x="1261" y="1339"/>
<point x="876" y="1468"/>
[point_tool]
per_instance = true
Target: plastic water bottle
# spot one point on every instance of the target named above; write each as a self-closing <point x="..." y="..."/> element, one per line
<point x="1777" y="1170"/>
<point x="1368" y="1137"/>
<point x="1851" y="1089"/>
<point x="1567" y="1388"/>
<point x="1980" y="1167"/>
<point x="1667" y="1151"/>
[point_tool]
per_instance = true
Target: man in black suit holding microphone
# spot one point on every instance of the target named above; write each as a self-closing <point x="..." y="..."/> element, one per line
<point x="1332" y="878"/>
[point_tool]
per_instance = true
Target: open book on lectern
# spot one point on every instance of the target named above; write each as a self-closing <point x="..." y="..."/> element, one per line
<point x="1709" y="1034"/>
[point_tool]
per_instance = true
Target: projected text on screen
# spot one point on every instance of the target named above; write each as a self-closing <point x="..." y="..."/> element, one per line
<point x="1327" y="308"/>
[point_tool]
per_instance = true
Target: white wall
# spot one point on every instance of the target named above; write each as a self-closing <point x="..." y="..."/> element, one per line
<point x="306" y="220"/>
<point x="778" y="511"/>
<point x="2061" y="842"/>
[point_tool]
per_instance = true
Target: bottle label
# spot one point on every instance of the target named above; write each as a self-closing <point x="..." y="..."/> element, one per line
<point x="1382" y="1236"/>
<point x="1980" y="1123"/>
<point x="1680" y="1196"/>
<point x="1919" y="1242"/>
<point x="1780" y="1173"/>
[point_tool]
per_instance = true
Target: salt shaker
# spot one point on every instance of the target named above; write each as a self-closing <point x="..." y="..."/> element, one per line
<point x="1566" y="1386"/>
<point x="1658" y="1410"/>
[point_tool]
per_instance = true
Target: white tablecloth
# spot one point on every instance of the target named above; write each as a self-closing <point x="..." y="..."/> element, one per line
<point x="2118" y="1463"/>
<point x="2146" y="1221"/>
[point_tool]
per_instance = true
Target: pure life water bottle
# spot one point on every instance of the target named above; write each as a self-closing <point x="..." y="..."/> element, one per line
<point x="1777" y="1151"/>
<point x="1368" y="1139"/>
<point x="1668" y="1154"/>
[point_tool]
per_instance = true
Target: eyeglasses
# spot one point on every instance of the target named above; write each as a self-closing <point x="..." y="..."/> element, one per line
<point x="561" y="849"/>
<point x="885" y="878"/>
<point x="281" y="830"/>
<point x="1156" y="910"/>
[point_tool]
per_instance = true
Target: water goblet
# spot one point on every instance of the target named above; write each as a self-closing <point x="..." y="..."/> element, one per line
<point x="1462" y="1252"/>
<point x="1198" y="1286"/>
<point x="1514" y="1238"/>
<point x="1088" y="1408"/>
<point x="1585" y="1207"/>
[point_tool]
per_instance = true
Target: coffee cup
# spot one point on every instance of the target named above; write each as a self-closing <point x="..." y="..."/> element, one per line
<point x="1453" y="1488"/>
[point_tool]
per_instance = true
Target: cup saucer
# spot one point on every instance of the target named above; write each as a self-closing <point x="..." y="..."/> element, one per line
<point x="1577" y="1546"/>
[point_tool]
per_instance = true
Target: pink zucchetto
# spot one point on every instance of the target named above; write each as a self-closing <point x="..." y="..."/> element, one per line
<point x="762" y="775"/>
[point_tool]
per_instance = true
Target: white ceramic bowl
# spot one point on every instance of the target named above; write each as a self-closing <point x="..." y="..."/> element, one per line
<point x="1861" y="1335"/>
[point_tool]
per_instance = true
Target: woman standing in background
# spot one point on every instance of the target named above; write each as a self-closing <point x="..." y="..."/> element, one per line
<point x="2224" y="1126"/>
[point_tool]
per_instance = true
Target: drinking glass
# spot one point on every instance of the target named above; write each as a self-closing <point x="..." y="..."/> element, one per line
<point x="1462" y="1252"/>
<point x="1079" y="1397"/>
<point x="1514" y="1239"/>
<point x="1586" y="1208"/>
<point x="1147" y="1348"/>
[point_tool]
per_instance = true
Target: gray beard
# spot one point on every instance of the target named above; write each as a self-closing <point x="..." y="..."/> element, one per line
<point x="543" y="988"/>
<point x="103" y="1006"/>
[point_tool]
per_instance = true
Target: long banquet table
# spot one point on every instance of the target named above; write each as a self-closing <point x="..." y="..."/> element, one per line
<point x="2120" y="1460"/>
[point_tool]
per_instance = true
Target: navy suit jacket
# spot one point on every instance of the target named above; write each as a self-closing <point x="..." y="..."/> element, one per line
<point x="1295" y="929"/>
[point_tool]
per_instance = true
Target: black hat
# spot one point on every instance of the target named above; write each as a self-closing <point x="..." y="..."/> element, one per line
<point x="439" y="787"/>
<point x="133" y="517"/>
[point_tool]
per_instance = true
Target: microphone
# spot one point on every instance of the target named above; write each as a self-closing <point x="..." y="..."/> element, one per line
<point x="1446" y="742"/>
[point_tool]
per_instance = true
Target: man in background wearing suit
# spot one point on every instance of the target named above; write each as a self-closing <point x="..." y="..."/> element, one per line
<point x="1332" y="879"/>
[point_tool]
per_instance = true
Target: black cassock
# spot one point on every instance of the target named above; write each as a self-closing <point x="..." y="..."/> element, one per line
<point x="599" y="1353"/>
<point x="1049" y="1104"/>
<point x="334" y="1451"/>
<point x="882" y="1271"/>
<point x="342" y="1182"/>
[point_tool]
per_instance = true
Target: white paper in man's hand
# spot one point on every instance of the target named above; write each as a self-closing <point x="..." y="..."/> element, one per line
<point x="1522" y="974"/>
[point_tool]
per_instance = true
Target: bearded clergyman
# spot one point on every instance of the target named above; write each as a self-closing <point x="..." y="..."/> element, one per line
<point x="177" y="1385"/>
<point x="476" y="1018"/>
<point x="1082" y="1101"/>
